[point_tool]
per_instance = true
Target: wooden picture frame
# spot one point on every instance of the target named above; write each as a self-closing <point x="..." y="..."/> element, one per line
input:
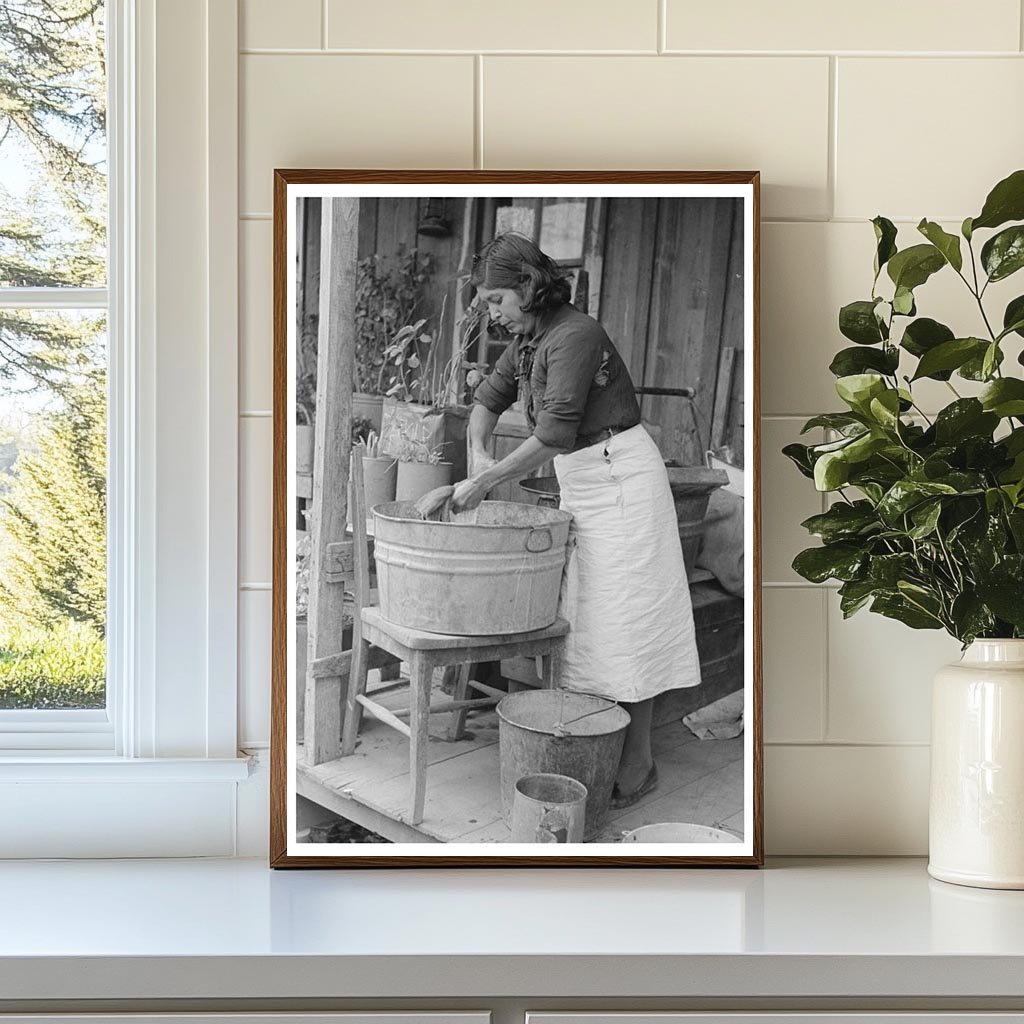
<point x="670" y="260"/>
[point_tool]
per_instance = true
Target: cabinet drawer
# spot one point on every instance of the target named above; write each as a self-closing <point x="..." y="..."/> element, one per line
<point x="360" y="1017"/>
<point x="934" y="1017"/>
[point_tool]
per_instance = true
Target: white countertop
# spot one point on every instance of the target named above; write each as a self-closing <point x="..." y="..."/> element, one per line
<point x="234" y="929"/>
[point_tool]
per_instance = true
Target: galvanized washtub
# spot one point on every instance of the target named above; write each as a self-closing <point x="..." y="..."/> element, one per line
<point x="493" y="570"/>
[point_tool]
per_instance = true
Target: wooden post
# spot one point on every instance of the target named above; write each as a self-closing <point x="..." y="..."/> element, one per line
<point x="339" y="228"/>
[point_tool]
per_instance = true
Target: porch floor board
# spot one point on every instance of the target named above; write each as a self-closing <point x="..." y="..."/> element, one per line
<point x="699" y="780"/>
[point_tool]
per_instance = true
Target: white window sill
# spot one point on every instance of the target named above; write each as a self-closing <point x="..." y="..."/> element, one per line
<point x="78" y="767"/>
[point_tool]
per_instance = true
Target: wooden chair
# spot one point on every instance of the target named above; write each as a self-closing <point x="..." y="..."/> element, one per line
<point x="378" y="642"/>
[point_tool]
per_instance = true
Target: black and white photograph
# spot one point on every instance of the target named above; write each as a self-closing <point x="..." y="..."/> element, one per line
<point x="515" y="486"/>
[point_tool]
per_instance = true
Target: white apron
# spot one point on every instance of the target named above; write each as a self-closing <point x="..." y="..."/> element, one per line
<point x="624" y="591"/>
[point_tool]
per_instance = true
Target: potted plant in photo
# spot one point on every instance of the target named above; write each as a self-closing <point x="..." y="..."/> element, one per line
<point x="421" y="467"/>
<point x="926" y="521"/>
<point x="426" y="398"/>
<point x="389" y="293"/>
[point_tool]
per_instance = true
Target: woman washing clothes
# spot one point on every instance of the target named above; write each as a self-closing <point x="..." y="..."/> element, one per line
<point x="625" y="593"/>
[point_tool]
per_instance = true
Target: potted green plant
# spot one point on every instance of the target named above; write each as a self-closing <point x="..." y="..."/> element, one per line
<point x="426" y="398"/>
<point x="926" y="522"/>
<point x="389" y="293"/>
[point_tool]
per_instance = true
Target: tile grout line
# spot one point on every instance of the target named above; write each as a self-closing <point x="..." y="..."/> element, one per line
<point x="1020" y="24"/>
<point x="825" y="723"/>
<point x="341" y="51"/>
<point x="662" y="41"/>
<point x="831" y="171"/>
<point x="478" y="111"/>
<point x="323" y="24"/>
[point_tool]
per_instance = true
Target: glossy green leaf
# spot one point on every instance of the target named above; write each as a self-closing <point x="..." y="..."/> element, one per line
<point x="924" y="334"/>
<point x="974" y="368"/>
<point x="849" y="361"/>
<point x="911" y="267"/>
<point x="1005" y="597"/>
<point x="1004" y="397"/>
<point x="858" y="389"/>
<point x="841" y="421"/>
<point x="885" y="409"/>
<point x="799" y="455"/>
<point x="885" y="237"/>
<point x="904" y="495"/>
<point x="971" y="616"/>
<point x="842" y="521"/>
<point x="831" y="471"/>
<point x="840" y="561"/>
<point x="1013" y="317"/>
<point x="903" y="302"/>
<point x="1003" y="254"/>
<point x="991" y="360"/>
<point x="857" y="322"/>
<point x="947" y="244"/>
<point x="899" y="608"/>
<point x="925" y="518"/>
<point x="965" y="229"/>
<point x="966" y="417"/>
<point x="1005" y="202"/>
<point x="949" y="356"/>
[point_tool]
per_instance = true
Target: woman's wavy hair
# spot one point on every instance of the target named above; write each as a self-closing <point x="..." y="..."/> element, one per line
<point x="514" y="261"/>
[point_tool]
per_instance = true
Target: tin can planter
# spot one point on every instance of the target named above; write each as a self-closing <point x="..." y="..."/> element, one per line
<point x="418" y="478"/>
<point x="380" y="480"/>
<point x="976" y="813"/>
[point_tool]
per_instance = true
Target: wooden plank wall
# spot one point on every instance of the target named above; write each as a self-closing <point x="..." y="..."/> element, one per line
<point x="670" y="302"/>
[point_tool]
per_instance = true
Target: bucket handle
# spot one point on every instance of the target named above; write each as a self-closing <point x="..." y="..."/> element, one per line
<point x="538" y="541"/>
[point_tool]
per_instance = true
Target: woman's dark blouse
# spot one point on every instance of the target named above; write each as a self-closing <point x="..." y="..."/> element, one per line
<point x="571" y="378"/>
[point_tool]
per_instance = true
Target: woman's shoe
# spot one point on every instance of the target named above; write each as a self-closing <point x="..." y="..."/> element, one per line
<point x="620" y="799"/>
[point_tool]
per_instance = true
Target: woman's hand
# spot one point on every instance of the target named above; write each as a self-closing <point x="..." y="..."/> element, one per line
<point x="468" y="494"/>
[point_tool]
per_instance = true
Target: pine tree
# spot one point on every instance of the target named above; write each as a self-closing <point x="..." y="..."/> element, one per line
<point x="53" y="520"/>
<point x="52" y="116"/>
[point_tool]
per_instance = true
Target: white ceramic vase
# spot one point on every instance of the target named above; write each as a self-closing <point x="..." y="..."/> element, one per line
<point x="976" y="814"/>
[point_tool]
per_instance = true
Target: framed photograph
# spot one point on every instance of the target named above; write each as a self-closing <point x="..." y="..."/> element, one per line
<point x="516" y="608"/>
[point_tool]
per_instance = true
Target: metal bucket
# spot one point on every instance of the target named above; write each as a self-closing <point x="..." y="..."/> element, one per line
<point x="563" y="733"/>
<point x="548" y="808"/>
<point x="496" y="569"/>
<point x="691" y="489"/>
<point x="679" y="832"/>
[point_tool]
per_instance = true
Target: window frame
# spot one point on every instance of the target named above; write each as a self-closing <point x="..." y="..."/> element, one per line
<point x="169" y="151"/>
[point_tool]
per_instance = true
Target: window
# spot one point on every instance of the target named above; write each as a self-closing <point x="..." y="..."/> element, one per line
<point x="53" y="373"/>
<point x="557" y="224"/>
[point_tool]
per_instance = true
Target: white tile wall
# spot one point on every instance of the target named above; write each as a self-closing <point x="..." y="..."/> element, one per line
<point x="698" y="113"/>
<point x="919" y="122"/>
<point x="873" y="25"/>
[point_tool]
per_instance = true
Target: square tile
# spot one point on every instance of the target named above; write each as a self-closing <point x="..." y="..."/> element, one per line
<point x="693" y="113"/>
<point x="787" y="499"/>
<point x="880" y="676"/>
<point x="269" y="24"/>
<point x="254" y="625"/>
<point x="846" y="801"/>
<point x="793" y="637"/>
<point x="255" y="509"/>
<point x="467" y="25"/>
<point x="802" y="25"/>
<point x="949" y="102"/>
<point x="350" y="111"/>
<point x="255" y="316"/>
